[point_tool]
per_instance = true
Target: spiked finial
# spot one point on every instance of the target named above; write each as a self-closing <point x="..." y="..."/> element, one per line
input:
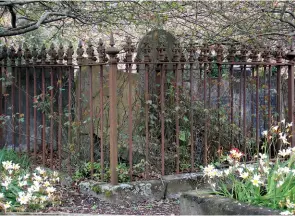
<point x="176" y="52"/>
<point x="90" y="52"/>
<point x="60" y="54"/>
<point x="112" y="51"/>
<point x="219" y="52"/>
<point x="43" y="54"/>
<point x="191" y="51"/>
<point x="129" y="49"/>
<point x="12" y="55"/>
<point x="19" y="54"/>
<point x="27" y="54"/>
<point x="101" y="52"/>
<point x="80" y="52"/>
<point x="35" y="54"/>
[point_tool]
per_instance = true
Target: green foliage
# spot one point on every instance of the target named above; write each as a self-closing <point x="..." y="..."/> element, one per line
<point x="10" y="155"/>
<point x="264" y="183"/>
<point x="84" y="172"/>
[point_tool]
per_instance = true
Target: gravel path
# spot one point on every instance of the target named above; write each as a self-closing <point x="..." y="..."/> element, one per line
<point x="74" y="202"/>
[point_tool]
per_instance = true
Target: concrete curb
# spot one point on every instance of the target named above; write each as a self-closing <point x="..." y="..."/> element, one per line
<point x="203" y="202"/>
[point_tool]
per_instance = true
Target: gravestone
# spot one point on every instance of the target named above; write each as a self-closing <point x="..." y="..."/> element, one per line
<point x="154" y="39"/>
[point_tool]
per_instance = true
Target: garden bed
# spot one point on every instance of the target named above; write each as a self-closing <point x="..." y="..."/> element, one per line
<point x="204" y="202"/>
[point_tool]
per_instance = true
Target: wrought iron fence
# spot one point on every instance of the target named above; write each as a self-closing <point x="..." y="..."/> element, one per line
<point x="199" y="104"/>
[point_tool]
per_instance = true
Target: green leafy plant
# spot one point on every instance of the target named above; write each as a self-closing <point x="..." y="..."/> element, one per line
<point x="269" y="183"/>
<point x="10" y="155"/>
<point x="23" y="191"/>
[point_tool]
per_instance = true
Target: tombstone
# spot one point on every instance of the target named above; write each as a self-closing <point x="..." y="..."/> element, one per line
<point x="154" y="39"/>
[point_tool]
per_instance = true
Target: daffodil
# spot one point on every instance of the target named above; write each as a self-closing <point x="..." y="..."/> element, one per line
<point x="256" y="180"/>
<point x="50" y="190"/>
<point x="244" y="175"/>
<point x="264" y="133"/>
<point x="1" y="195"/>
<point x="7" y="205"/>
<point x="284" y="152"/>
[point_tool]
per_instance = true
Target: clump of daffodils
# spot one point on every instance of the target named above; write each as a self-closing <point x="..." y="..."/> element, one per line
<point x="266" y="182"/>
<point x="21" y="191"/>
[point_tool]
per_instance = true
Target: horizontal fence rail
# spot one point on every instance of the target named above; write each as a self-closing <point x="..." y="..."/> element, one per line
<point x="153" y="117"/>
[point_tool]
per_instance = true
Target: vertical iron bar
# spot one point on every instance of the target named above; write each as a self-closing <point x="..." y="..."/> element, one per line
<point x="129" y="67"/>
<point x="191" y="118"/>
<point x="35" y="113"/>
<point x="43" y="119"/>
<point x="101" y="124"/>
<point x="59" y="117"/>
<point x="51" y="118"/>
<point x="257" y="108"/>
<point x="70" y="116"/>
<point x="291" y="101"/>
<point x="269" y="98"/>
<point x="91" y="120"/>
<point x="206" y="124"/>
<point x="146" y="107"/>
<point x="13" y="108"/>
<point x="27" y="112"/>
<point x="244" y="110"/>
<point x="279" y="118"/>
<point x="231" y="104"/>
<point x="18" y="75"/>
<point x="79" y="109"/>
<point x="218" y="108"/>
<point x="177" y="117"/>
<point x="113" y="122"/>
<point x="163" y="70"/>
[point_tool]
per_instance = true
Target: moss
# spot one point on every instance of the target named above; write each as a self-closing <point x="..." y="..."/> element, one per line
<point x="108" y="193"/>
<point x="96" y="189"/>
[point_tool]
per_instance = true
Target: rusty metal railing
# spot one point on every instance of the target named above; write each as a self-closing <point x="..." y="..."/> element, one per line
<point x="50" y="99"/>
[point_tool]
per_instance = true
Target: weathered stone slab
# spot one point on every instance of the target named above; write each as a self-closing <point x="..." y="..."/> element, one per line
<point x="135" y="191"/>
<point x="168" y="187"/>
<point x="202" y="202"/>
<point x="176" y="184"/>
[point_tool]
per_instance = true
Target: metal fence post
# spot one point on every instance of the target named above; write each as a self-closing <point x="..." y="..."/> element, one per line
<point x="291" y="57"/>
<point x="112" y="52"/>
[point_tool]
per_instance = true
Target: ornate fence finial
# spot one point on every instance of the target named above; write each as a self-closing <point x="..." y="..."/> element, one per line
<point x="160" y="50"/>
<point x="191" y="51"/>
<point x="80" y="52"/>
<point x="90" y="52"/>
<point x="129" y="49"/>
<point x="112" y="51"/>
<point x="176" y="52"/>
<point x="291" y="54"/>
<point x="231" y="53"/>
<point x="27" y="54"/>
<point x="12" y="55"/>
<point x="205" y="50"/>
<point x="254" y="54"/>
<point x="53" y="54"/>
<point x="43" y="54"/>
<point x="69" y="53"/>
<point x="19" y="54"/>
<point x="147" y="50"/>
<point x="4" y="55"/>
<point x="244" y="52"/>
<point x="61" y="52"/>
<point x="219" y="52"/>
<point x="266" y="54"/>
<point x="102" y="57"/>
<point x="279" y="53"/>
<point x="35" y="54"/>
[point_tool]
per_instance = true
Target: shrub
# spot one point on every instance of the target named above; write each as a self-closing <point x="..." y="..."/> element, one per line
<point x="23" y="191"/>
